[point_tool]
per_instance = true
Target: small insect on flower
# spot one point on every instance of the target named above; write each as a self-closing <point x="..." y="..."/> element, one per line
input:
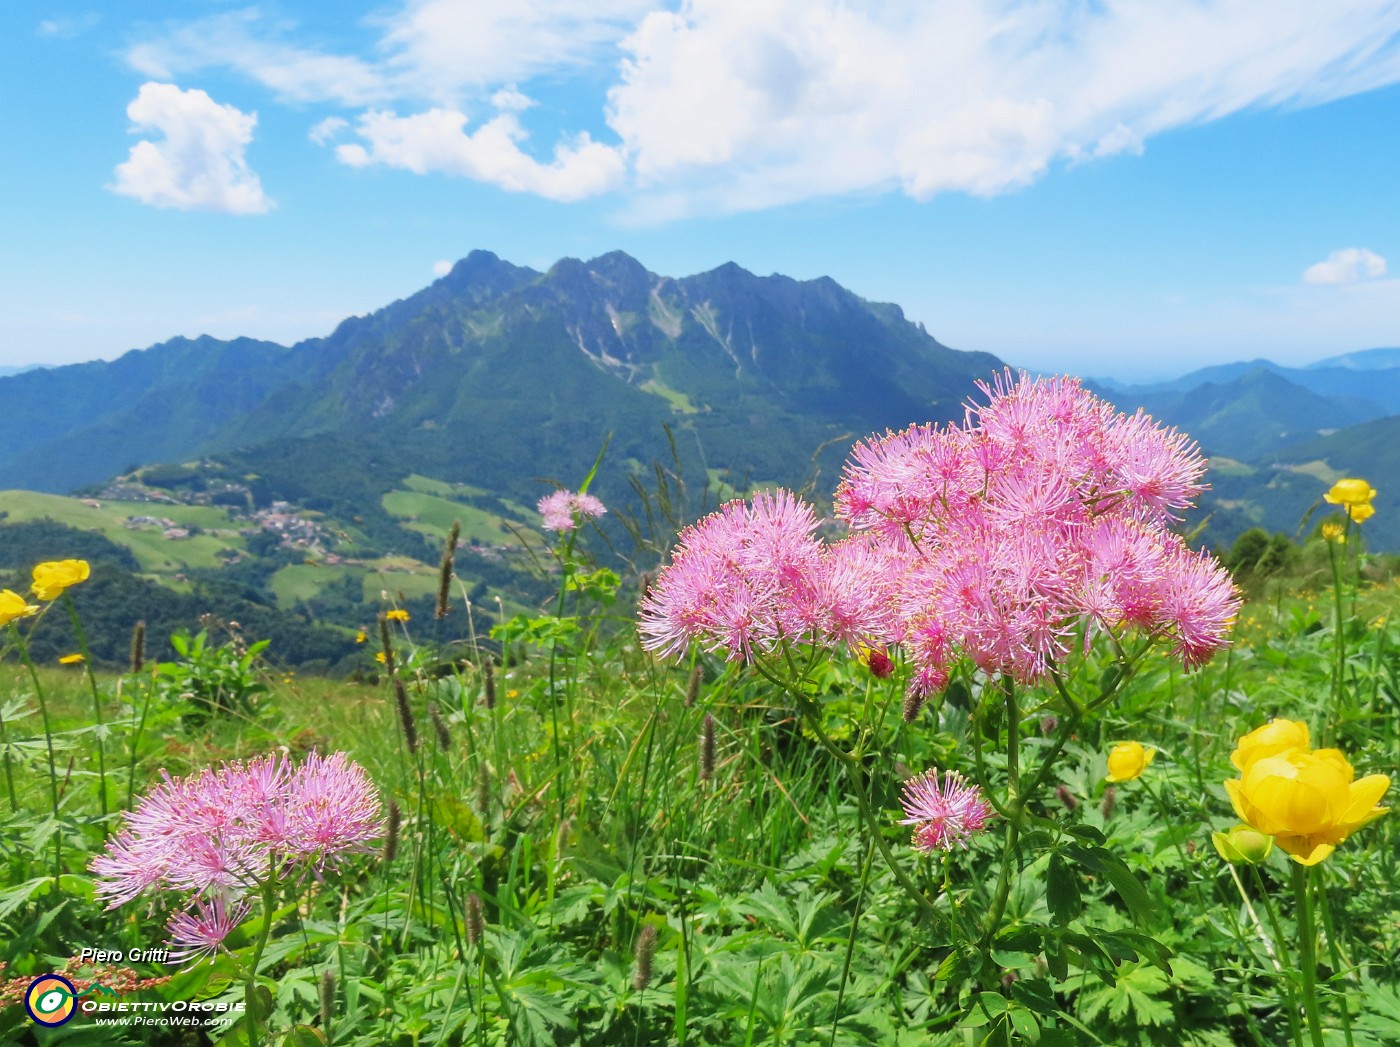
<point x="944" y="809"/>
<point x="874" y="659"/>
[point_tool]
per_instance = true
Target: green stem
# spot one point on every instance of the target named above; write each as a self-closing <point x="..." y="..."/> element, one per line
<point x="1339" y="647"/>
<point x="1334" y="948"/>
<point x="250" y="1014"/>
<point x="1016" y="808"/>
<point x="1281" y="960"/>
<point x="812" y="712"/>
<point x="9" y="770"/>
<point x="1307" y="948"/>
<point x="96" y="706"/>
<point x="23" y="647"/>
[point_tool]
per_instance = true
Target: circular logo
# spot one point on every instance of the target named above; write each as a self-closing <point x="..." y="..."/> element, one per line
<point x="49" y="1000"/>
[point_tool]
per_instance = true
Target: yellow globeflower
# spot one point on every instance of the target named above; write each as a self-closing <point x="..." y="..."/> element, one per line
<point x="1334" y="532"/>
<point x="1307" y="800"/>
<point x="398" y="614"/>
<point x="1127" y="760"/>
<point x="1362" y="512"/>
<point x="1275" y="737"/>
<point x="13" y="605"/>
<point x="1350" y="491"/>
<point x="50" y="579"/>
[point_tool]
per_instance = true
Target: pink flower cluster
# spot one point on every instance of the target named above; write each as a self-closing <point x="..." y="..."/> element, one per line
<point x="565" y="510"/>
<point x="215" y="836"/>
<point x="1042" y="518"/>
<point x="945" y="811"/>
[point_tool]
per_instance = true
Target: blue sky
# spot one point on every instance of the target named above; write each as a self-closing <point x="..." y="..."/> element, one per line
<point x="1110" y="188"/>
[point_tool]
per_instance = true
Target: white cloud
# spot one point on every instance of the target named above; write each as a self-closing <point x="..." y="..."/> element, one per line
<point x="66" y="28"/>
<point x="510" y="98"/>
<point x="741" y="104"/>
<point x="437" y="140"/>
<point x="241" y="40"/>
<point x="1347" y="266"/>
<point x="747" y="105"/>
<point x="442" y="268"/>
<point x="442" y="47"/>
<point x="198" y="163"/>
<point x="323" y="131"/>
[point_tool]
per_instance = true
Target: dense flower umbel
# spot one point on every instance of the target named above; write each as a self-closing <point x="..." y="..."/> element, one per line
<point x="565" y="510"/>
<point x="1044" y="514"/>
<point x="1307" y="799"/>
<point x="945" y="811"/>
<point x="218" y="834"/>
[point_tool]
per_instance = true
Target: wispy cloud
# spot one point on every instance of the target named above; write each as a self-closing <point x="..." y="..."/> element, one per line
<point x="324" y="130"/>
<point x="246" y="43"/>
<point x="743" y="104"/>
<point x="748" y="105"/>
<point x="1348" y="266"/>
<point x="198" y="162"/>
<point x="66" y="28"/>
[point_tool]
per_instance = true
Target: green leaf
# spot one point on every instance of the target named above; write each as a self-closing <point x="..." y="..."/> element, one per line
<point x="1062" y="890"/>
<point x="1107" y="864"/>
<point x="1036" y="994"/>
<point x="303" y="1036"/>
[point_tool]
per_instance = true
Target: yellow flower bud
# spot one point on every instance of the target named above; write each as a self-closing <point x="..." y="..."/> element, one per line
<point x="1243" y="845"/>
<point x="1127" y="760"/>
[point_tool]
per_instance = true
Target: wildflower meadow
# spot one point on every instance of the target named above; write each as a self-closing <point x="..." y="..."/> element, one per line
<point x="979" y="748"/>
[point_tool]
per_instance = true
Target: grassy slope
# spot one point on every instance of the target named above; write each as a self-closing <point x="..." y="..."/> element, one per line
<point x="156" y="554"/>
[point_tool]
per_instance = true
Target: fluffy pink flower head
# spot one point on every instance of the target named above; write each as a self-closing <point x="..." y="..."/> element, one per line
<point x="199" y="931"/>
<point x="741" y="579"/>
<point x="945" y="811"/>
<point x="1040" y="520"/>
<point x="565" y="510"/>
<point x="223" y="830"/>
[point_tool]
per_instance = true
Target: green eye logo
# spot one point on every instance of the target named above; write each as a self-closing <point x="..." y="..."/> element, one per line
<point x="49" y="1000"/>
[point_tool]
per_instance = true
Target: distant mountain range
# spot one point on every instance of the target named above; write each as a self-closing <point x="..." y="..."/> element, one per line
<point x="497" y="375"/>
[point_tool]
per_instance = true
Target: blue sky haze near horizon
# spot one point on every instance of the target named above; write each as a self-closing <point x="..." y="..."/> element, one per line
<point x="1107" y="189"/>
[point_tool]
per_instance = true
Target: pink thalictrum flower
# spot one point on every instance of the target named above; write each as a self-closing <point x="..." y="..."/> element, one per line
<point x="216" y="836"/>
<point x="199" y="931"/>
<point x="565" y="510"/>
<point x="945" y="810"/>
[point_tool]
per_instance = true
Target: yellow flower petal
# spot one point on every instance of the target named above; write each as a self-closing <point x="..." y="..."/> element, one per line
<point x="13" y="605"/>
<point x="53" y="577"/>
<point x="1274" y="737"/>
<point x="1305" y="851"/>
<point x="1350" y="491"/>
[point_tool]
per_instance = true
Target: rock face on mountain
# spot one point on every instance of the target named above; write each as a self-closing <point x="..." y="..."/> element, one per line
<point x="497" y="371"/>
